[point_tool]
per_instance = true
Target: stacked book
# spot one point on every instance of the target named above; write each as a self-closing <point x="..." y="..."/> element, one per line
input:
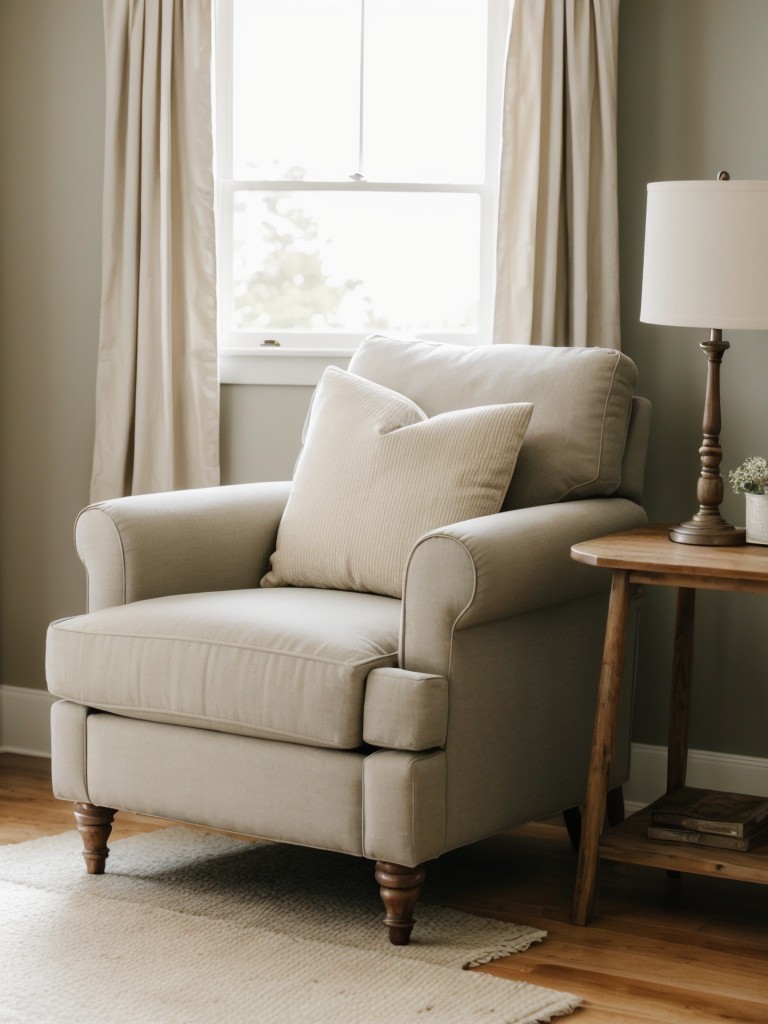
<point x="726" y="821"/>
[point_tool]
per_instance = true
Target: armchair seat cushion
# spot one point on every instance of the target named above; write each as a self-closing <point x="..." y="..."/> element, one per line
<point x="286" y="664"/>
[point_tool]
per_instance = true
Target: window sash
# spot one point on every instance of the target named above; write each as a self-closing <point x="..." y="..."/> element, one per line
<point x="234" y="344"/>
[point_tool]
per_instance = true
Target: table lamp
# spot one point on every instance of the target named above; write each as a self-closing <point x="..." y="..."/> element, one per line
<point x="706" y="265"/>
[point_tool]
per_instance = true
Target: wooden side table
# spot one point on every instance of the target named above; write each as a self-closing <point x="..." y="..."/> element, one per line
<point x="647" y="556"/>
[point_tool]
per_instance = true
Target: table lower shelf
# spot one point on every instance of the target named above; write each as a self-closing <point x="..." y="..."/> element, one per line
<point x="628" y="844"/>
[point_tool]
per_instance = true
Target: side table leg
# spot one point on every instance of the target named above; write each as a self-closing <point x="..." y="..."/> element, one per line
<point x="679" y="703"/>
<point x="602" y="746"/>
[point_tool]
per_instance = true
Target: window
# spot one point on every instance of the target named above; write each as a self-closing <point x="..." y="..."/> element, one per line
<point x="357" y="158"/>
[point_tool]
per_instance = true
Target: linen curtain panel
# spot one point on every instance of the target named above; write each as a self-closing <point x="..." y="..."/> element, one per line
<point x="157" y="394"/>
<point x="557" y="242"/>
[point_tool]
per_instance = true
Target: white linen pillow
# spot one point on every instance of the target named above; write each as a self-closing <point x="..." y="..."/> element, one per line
<point x="376" y="473"/>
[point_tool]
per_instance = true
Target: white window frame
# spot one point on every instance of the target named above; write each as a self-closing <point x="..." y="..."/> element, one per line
<point x="302" y="357"/>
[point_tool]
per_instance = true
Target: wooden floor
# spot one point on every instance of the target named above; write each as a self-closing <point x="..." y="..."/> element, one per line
<point x="691" y="950"/>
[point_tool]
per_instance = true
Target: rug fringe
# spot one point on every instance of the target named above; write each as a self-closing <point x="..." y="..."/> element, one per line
<point x="517" y="945"/>
<point x="570" y="1004"/>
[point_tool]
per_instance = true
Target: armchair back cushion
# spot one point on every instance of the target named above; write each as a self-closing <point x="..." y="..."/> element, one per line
<point x="582" y="401"/>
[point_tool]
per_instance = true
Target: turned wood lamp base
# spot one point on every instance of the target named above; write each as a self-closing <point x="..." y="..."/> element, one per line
<point x="707" y="526"/>
<point x="705" y="533"/>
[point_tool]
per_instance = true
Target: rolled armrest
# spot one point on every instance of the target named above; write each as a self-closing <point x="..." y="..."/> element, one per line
<point x="495" y="567"/>
<point x="177" y="542"/>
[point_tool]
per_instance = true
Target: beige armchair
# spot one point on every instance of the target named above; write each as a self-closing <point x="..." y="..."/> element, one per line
<point x="452" y="703"/>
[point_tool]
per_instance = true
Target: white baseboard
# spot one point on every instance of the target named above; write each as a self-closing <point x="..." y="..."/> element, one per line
<point x="25" y="729"/>
<point x="732" y="773"/>
<point x="25" y="717"/>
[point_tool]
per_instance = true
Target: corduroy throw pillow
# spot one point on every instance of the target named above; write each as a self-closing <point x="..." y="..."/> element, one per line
<point x="376" y="473"/>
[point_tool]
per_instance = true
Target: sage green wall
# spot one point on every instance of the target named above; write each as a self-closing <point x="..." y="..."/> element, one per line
<point x="51" y="120"/>
<point x="261" y="431"/>
<point x="693" y="82"/>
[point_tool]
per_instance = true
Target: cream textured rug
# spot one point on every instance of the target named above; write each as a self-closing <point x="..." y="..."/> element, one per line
<point x="187" y="927"/>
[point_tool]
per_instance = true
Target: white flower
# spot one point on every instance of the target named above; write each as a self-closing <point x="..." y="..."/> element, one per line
<point x="751" y="477"/>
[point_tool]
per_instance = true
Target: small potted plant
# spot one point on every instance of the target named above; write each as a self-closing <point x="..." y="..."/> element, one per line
<point x="751" y="480"/>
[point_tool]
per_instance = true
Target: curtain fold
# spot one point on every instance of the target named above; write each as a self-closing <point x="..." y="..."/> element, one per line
<point x="157" y="392"/>
<point x="558" y="240"/>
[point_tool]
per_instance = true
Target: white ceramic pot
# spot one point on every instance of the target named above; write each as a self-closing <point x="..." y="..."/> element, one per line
<point x="757" y="518"/>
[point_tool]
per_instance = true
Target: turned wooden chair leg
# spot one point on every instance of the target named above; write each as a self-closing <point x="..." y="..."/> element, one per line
<point x="614" y="815"/>
<point x="94" y="825"/>
<point x="572" y="819"/>
<point x="400" y="888"/>
<point x="614" y="806"/>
